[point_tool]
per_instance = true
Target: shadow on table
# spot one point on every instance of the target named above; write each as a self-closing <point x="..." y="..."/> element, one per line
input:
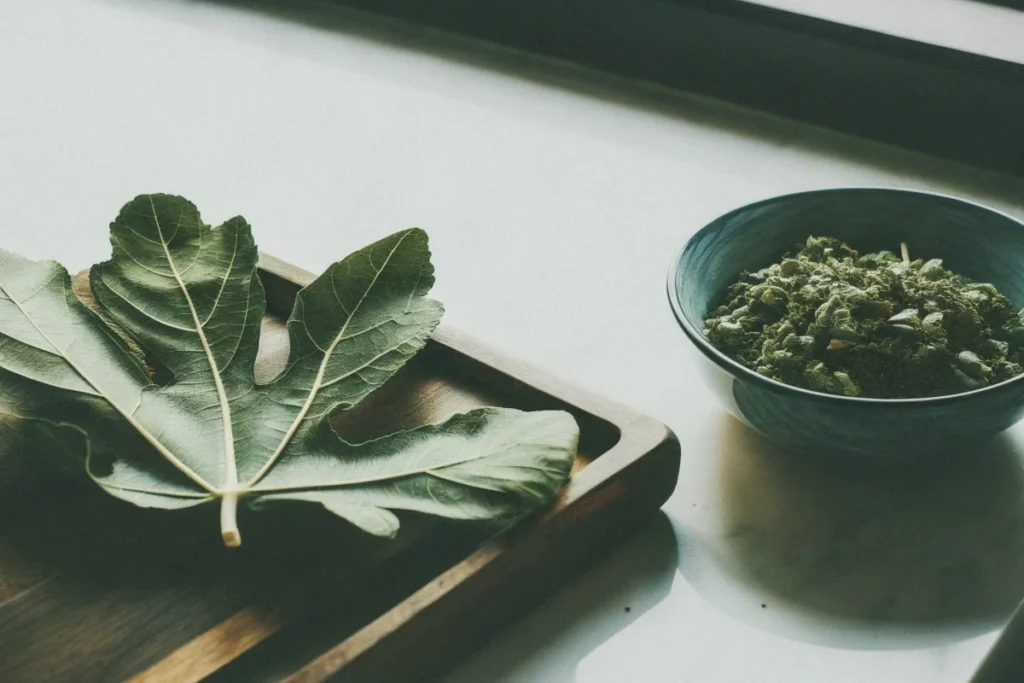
<point x="566" y="76"/>
<point x="932" y="545"/>
<point x="605" y="599"/>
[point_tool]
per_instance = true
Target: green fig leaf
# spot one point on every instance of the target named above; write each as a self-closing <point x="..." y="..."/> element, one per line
<point x="154" y="396"/>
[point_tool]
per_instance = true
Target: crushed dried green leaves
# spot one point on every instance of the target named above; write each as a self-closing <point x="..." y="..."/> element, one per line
<point x="829" y="319"/>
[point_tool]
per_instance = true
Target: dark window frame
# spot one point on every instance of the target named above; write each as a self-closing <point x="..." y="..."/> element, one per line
<point x="917" y="94"/>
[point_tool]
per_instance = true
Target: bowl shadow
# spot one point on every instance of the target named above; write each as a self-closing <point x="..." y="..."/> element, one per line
<point x="922" y="545"/>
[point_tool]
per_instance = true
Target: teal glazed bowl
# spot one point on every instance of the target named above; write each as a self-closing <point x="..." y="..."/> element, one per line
<point x="980" y="243"/>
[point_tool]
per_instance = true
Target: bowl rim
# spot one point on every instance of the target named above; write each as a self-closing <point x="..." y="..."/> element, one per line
<point x="735" y="368"/>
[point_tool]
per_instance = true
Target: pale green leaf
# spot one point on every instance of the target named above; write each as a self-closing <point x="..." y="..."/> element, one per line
<point x="197" y="428"/>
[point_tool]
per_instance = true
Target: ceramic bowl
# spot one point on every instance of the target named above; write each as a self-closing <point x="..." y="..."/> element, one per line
<point x="978" y="242"/>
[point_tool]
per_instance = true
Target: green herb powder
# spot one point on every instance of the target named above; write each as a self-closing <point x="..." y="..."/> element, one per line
<point x="878" y="325"/>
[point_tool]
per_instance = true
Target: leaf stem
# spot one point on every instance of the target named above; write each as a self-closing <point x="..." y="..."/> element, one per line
<point x="229" y="520"/>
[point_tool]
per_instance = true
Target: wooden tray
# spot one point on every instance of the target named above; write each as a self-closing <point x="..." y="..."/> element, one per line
<point x="92" y="590"/>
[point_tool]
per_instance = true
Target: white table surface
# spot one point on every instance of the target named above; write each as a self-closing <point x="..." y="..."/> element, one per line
<point x="555" y="200"/>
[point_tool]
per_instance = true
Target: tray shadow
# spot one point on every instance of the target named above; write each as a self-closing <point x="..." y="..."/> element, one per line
<point x="606" y="598"/>
<point x="935" y="544"/>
